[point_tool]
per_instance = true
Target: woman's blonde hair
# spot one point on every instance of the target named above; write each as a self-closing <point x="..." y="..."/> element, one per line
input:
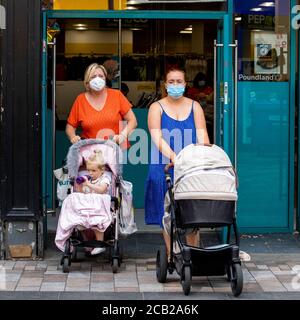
<point x="96" y="159"/>
<point x="89" y="71"/>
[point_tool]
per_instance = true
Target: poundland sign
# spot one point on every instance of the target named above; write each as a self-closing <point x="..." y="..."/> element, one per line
<point x="2" y="18"/>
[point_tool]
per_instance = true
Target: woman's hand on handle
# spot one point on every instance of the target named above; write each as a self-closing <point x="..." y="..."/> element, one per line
<point x="119" y="138"/>
<point x="168" y="166"/>
<point x="71" y="134"/>
<point x="75" y="139"/>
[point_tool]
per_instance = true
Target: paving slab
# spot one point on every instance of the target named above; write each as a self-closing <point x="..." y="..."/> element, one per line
<point x="270" y="274"/>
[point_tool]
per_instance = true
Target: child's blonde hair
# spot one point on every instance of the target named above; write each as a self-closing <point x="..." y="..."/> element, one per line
<point x="96" y="159"/>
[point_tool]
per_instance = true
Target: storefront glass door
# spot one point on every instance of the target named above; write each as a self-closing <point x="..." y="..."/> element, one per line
<point x="265" y="116"/>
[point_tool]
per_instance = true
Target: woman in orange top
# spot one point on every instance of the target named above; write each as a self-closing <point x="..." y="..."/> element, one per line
<point x="101" y="112"/>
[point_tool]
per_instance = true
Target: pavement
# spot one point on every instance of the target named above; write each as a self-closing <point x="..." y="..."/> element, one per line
<point x="272" y="273"/>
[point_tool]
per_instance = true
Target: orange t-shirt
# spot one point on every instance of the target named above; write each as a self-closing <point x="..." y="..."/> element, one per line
<point x="107" y="120"/>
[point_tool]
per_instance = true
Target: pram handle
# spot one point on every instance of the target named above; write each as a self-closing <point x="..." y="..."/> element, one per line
<point x="168" y="166"/>
<point x="204" y="144"/>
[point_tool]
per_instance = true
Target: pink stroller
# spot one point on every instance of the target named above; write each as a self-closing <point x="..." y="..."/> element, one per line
<point x="77" y="233"/>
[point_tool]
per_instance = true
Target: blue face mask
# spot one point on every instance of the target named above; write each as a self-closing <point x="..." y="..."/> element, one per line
<point x="175" y="92"/>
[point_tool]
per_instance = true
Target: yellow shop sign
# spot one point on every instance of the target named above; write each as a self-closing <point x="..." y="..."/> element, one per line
<point x="89" y="5"/>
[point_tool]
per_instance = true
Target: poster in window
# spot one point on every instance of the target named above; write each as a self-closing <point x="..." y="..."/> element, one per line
<point x="270" y="53"/>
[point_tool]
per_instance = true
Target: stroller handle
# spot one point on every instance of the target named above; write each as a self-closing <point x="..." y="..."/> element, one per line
<point x="168" y="166"/>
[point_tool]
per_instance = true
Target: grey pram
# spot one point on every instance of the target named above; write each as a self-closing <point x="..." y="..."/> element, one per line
<point x="204" y="195"/>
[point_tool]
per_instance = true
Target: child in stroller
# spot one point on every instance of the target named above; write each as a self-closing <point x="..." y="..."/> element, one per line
<point x="204" y="195"/>
<point x="90" y="206"/>
<point x="97" y="182"/>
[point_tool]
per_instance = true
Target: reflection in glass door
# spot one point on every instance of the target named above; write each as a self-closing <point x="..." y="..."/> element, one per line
<point x="264" y="128"/>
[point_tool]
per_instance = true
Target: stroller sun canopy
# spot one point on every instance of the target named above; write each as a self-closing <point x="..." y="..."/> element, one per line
<point x="80" y="152"/>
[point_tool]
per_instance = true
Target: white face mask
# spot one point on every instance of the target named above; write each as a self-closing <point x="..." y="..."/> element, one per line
<point x="97" y="84"/>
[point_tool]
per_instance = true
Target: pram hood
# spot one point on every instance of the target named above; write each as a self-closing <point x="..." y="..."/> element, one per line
<point x="80" y="152"/>
<point x="204" y="172"/>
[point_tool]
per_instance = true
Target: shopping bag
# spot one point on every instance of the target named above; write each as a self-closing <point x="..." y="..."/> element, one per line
<point x="63" y="185"/>
<point x="127" y="225"/>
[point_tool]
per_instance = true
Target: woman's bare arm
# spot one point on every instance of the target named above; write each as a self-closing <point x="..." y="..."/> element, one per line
<point x="71" y="133"/>
<point x="200" y="124"/>
<point x="131" y="123"/>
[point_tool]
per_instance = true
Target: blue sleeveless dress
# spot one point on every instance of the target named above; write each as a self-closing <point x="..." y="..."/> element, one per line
<point x="179" y="134"/>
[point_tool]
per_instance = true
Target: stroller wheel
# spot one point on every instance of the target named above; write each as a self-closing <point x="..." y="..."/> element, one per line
<point x="186" y="279"/>
<point x="161" y="265"/>
<point x="115" y="265"/>
<point x="66" y="264"/>
<point x="237" y="279"/>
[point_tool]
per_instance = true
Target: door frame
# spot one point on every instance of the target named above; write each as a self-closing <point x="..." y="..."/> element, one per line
<point x="224" y="61"/>
<point x="295" y="101"/>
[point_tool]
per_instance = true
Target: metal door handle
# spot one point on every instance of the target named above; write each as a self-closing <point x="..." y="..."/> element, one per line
<point x="216" y="46"/>
<point x="225" y="93"/>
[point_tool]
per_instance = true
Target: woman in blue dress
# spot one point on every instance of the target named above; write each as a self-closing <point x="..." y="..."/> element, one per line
<point x="174" y="122"/>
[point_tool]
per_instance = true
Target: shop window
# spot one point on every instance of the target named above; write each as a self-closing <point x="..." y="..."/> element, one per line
<point x="136" y="60"/>
<point x="262" y="29"/>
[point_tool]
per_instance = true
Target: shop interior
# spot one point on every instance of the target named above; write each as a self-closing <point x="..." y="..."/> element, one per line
<point x="136" y="60"/>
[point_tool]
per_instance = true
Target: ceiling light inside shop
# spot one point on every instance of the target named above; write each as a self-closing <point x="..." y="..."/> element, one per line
<point x="238" y="18"/>
<point x="81" y="28"/>
<point x="268" y="4"/>
<point x="256" y="9"/>
<point x="130" y="8"/>
<point x="186" y="31"/>
<point x="136" y="29"/>
<point x="80" y="25"/>
<point x="189" y="28"/>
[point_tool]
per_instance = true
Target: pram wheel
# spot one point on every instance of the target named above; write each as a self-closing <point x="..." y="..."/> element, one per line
<point x="66" y="265"/>
<point x="186" y="279"/>
<point x="161" y="265"/>
<point x="237" y="279"/>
